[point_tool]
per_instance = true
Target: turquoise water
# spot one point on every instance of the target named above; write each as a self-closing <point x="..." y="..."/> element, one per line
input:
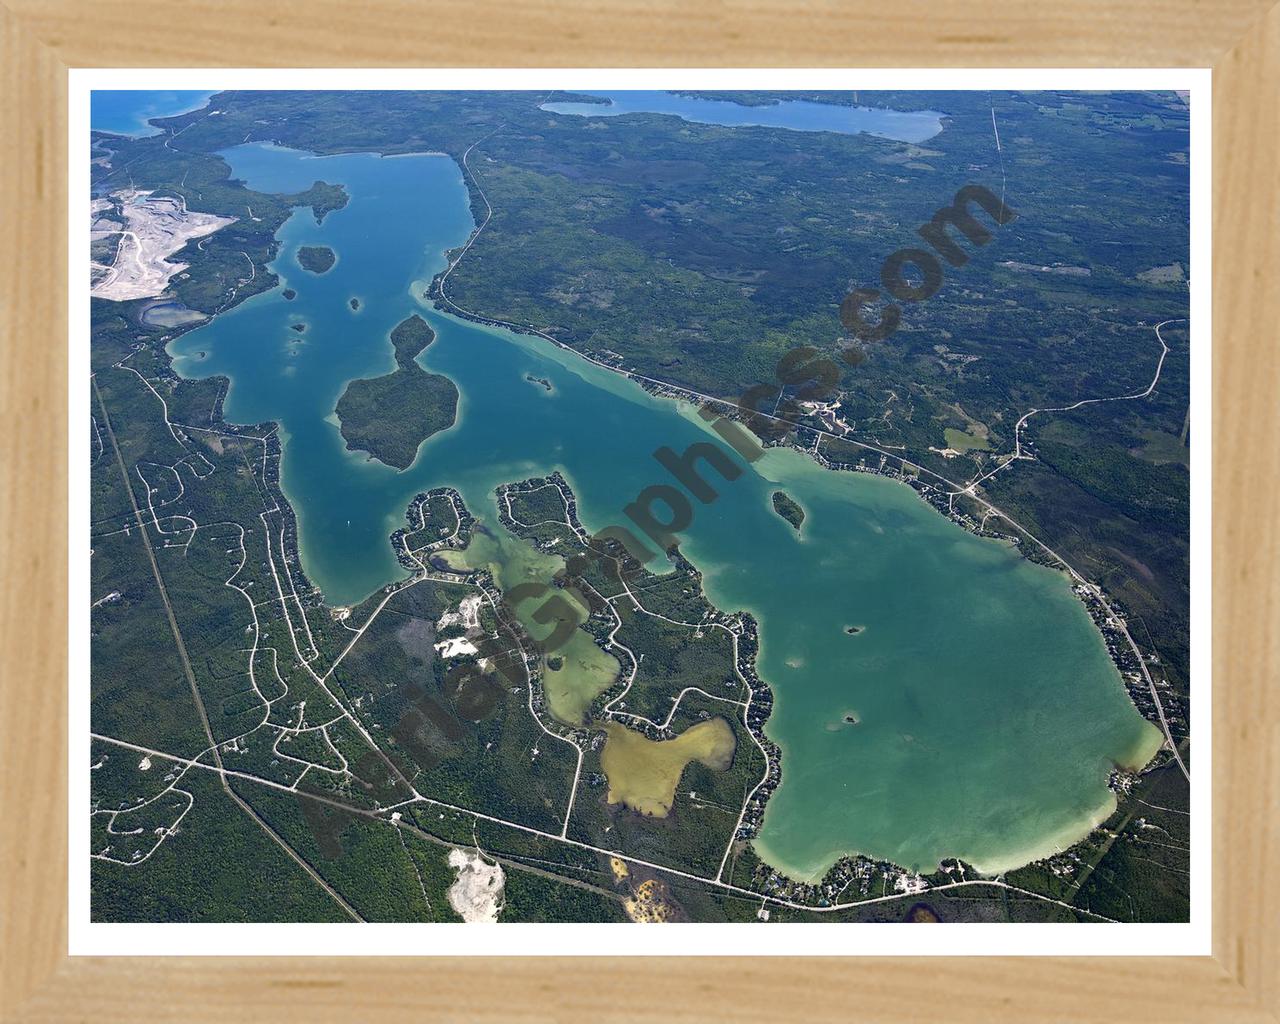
<point x="796" y="115"/>
<point x="126" y="111"/>
<point x="989" y="711"/>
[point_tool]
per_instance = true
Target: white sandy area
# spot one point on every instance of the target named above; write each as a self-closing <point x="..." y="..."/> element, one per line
<point x="155" y="227"/>
<point x="456" y="646"/>
<point x="467" y="616"/>
<point x="470" y="610"/>
<point x="476" y="894"/>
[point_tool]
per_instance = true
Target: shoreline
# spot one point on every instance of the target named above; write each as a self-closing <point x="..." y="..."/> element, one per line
<point x="1108" y="624"/>
<point x="895" y="468"/>
<point x="657" y="389"/>
<point x="761" y="703"/>
<point x="147" y="129"/>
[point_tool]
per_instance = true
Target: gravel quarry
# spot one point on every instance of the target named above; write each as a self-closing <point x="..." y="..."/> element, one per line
<point x="151" y="228"/>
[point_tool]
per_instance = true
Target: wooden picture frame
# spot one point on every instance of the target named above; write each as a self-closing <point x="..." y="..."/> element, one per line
<point x="41" y="39"/>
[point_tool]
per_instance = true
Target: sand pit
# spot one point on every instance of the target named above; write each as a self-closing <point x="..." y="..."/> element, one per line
<point x="150" y="229"/>
<point x="476" y="894"/>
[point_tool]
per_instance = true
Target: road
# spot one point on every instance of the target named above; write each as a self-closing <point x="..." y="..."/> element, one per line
<point x="191" y="679"/>
<point x="1026" y="416"/>
<point x="383" y="816"/>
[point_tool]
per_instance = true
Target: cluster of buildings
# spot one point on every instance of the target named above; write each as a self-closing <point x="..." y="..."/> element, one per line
<point x="415" y="515"/>
<point x="536" y="484"/>
<point x="849" y="880"/>
<point x="1111" y="623"/>
<point x="759" y="708"/>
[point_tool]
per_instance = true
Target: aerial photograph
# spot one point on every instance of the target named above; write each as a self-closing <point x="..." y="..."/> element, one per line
<point x="638" y="506"/>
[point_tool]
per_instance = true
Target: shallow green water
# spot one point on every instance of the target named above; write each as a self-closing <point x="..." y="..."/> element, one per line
<point x="579" y="671"/>
<point x="989" y="711"/>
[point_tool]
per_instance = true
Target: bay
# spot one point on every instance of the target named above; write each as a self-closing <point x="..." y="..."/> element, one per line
<point x="128" y="111"/>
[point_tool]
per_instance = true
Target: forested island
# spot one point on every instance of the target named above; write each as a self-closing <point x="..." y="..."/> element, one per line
<point x="786" y="507"/>
<point x="316" y="258"/>
<point x="390" y="416"/>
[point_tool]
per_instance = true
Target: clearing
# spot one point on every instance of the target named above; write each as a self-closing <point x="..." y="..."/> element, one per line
<point x="643" y="773"/>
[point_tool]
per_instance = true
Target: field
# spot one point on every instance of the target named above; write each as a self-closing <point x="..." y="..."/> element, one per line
<point x="963" y="442"/>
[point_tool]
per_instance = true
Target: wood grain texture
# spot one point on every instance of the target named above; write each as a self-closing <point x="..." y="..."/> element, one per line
<point x="1246" y="550"/>
<point x="33" y="510"/>
<point x="40" y="38"/>
<point x="657" y="33"/>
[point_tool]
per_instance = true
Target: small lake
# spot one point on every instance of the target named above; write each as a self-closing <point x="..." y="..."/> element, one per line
<point x="167" y="313"/>
<point x="794" y="115"/>
<point x="127" y="111"/>
<point x="987" y="713"/>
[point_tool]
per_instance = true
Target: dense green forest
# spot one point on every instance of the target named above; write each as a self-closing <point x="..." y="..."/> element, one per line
<point x="787" y="507"/>
<point x="316" y="258"/>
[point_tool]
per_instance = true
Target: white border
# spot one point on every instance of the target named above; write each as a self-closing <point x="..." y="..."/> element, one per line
<point x="87" y="938"/>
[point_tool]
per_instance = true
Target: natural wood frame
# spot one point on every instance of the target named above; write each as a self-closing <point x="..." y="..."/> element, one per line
<point x="40" y="39"/>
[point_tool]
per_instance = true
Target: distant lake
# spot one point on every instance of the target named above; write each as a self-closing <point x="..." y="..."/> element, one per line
<point x="795" y="115"/>
<point x="975" y="714"/>
<point x="127" y="111"/>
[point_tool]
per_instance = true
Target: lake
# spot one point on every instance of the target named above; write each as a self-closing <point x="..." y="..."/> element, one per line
<point x="127" y="111"/>
<point x="795" y="115"/>
<point x="989" y="713"/>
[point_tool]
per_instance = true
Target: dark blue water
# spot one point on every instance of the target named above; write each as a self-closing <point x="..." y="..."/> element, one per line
<point x="796" y="115"/>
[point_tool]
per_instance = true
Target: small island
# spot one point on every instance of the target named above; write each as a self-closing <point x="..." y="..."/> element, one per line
<point x="289" y="294"/>
<point x="786" y="507"/>
<point x="849" y="718"/>
<point x="354" y="303"/>
<point x="299" y="327"/>
<point x="316" y="258"/>
<point x="390" y="416"/>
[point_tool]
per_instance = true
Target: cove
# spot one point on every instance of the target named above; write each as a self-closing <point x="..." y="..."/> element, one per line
<point x="794" y="115"/>
<point x="988" y="712"/>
